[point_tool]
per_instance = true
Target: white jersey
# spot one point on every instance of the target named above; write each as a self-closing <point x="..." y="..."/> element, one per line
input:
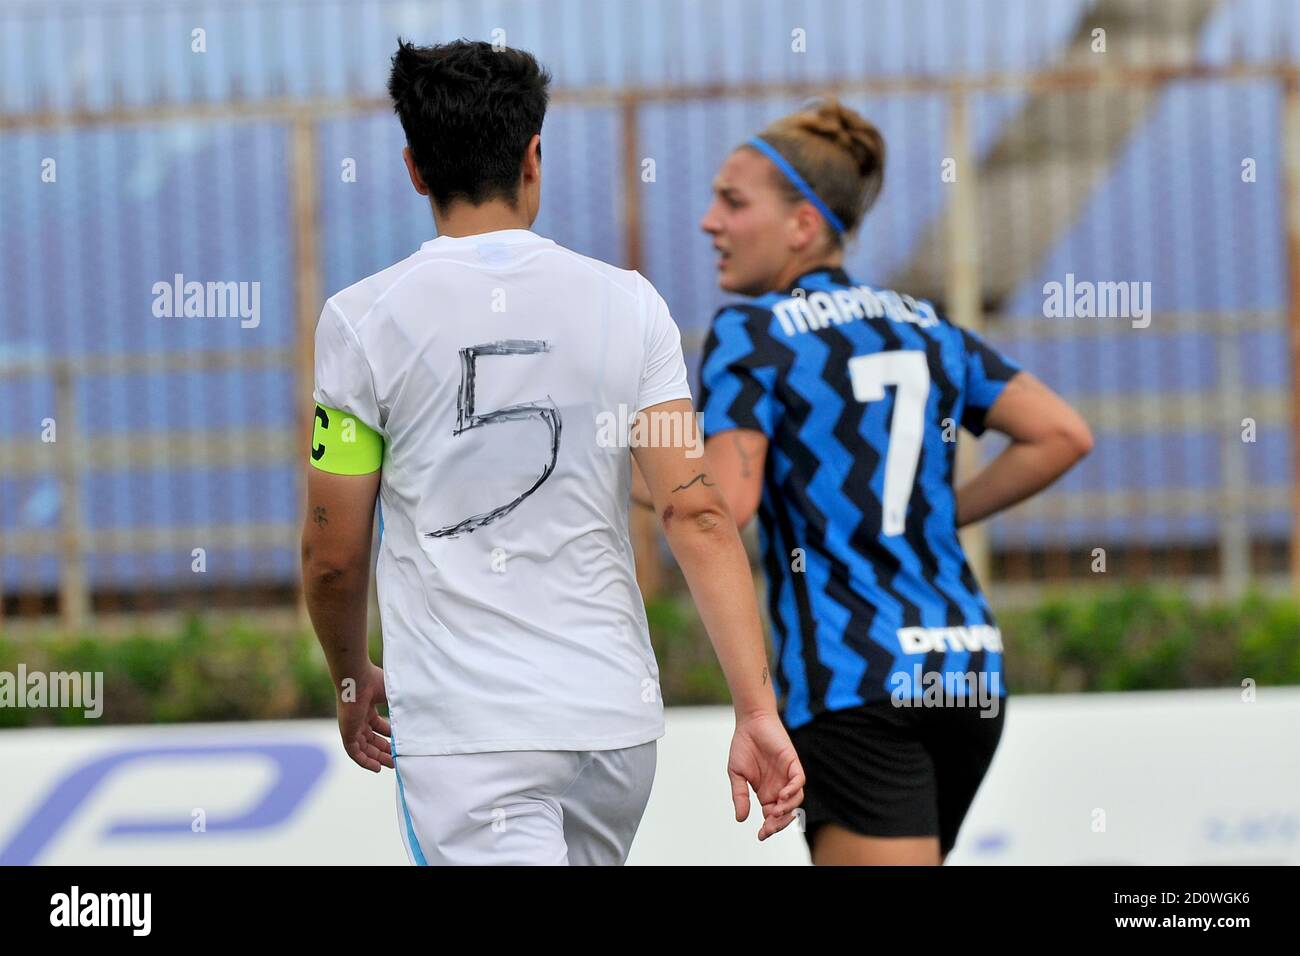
<point x="497" y="368"/>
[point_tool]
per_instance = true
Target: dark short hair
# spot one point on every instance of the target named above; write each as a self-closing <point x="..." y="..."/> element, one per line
<point x="469" y="111"/>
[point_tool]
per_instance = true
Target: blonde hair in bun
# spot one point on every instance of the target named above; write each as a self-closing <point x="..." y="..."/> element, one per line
<point x="837" y="151"/>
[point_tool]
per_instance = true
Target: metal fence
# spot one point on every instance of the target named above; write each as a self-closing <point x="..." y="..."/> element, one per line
<point x="150" y="462"/>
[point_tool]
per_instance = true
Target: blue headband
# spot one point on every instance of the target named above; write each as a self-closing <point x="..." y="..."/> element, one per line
<point x="792" y="174"/>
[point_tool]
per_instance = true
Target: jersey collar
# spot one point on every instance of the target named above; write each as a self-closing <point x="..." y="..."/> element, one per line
<point x="500" y="236"/>
<point x="833" y="274"/>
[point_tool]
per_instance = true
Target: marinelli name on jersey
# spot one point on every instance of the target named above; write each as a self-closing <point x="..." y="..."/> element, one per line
<point x="818" y="310"/>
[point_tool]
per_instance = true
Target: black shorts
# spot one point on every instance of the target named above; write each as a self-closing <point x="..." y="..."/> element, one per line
<point x="882" y="770"/>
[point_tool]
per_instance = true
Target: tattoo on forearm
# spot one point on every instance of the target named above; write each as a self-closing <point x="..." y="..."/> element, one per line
<point x="745" y="456"/>
<point x="764" y="676"/>
<point x="318" y="515"/>
<point x="700" y="477"/>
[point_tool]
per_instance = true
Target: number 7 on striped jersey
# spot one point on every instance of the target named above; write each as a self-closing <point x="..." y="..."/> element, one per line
<point x="910" y="374"/>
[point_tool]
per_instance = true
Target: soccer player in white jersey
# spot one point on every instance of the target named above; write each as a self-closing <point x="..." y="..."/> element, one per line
<point x="487" y="389"/>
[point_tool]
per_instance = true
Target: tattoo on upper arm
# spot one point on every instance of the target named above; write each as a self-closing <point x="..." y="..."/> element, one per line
<point x="702" y="477"/>
<point x="764" y="676"/>
<point x="745" y="456"/>
<point x="318" y="515"/>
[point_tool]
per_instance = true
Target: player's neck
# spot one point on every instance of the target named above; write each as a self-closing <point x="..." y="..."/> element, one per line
<point x="464" y="219"/>
<point x="801" y="267"/>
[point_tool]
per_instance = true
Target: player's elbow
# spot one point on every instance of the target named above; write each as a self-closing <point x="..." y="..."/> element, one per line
<point x="325" y="569"/>
<point x="1063" y="443"/>
<point x="1075" y="437"/>
<point x="701" y="522"/>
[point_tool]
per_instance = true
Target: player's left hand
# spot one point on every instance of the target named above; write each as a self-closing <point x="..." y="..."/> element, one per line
<point x="763" y="757"/>
<point x="364" y="730"/>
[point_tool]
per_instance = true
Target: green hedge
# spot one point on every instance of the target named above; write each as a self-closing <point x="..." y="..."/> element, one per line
<point x="1137" y="639"/>
<point x="1143" y="639"/>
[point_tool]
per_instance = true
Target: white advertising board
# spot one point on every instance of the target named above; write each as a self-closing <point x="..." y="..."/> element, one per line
<point x="1197" y="777"/>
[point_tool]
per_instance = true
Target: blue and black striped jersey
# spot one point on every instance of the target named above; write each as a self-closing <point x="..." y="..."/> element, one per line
<point x="861" y="393"/>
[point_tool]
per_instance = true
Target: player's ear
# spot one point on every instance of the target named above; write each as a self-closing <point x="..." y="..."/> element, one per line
<point x="805" y="226"/>
<point x="530" y="184"/>
<point x="533" y="159"/>
<point x="416" y="179"/>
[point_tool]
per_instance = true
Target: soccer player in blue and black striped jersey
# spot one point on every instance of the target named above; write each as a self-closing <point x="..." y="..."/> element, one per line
<point x="831" y="408"/>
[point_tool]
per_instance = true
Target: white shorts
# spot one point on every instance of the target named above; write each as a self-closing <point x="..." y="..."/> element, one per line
<point x="513" y="808"/>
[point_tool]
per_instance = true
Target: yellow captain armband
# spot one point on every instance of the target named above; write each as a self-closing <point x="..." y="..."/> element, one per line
<point x="344" y="445"/>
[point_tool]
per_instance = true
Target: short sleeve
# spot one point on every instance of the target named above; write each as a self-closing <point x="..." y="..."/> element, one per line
<point x="738" y="373"/>
<point x="343" y="378"/>
<point x="663" y="376"/>
<point x="987" y="374"/>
